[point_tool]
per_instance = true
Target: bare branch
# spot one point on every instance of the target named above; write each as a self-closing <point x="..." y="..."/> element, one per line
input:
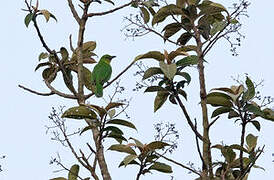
<point x="35" y="92"/>
<point x="108" y="12"/>
<point x="74" y="12"/>
<point x="69" y="96"/>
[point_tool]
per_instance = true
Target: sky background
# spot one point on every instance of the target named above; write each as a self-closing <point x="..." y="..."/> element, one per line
<point x="23" y="137"/>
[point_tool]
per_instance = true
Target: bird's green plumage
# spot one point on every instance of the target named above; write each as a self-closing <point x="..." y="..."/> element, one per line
<point x="101" y="74"/>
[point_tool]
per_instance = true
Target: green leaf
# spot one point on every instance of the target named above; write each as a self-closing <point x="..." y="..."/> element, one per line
<point x="185" y="75"/>
<point x="73" y="172"/>
<point x="28" y="19"/>
<point x="137" y="142"/>
<point x="145" y="15"/>
<point x="161" y="167"/>
<point x="41" y="65"/>
<point x="228" y="153"/>
<point x="234" y="21"/>
<point x="79" y="112"/>
<point x="165" y="12"/>
<point x="128" y="159"/>
<point x="86" y="129"/>
<point x="111" y="113"/>
<point x="151" y="72"/>
<point x="122" y="123"/>
<point x="171" y="29"/>
<point x="109" y="1"/>
<point x="217" y="26"/>
<point x="155" y="89"/>
<point x="43" y="56"/>
<point x="220" y="111"/>
<point x="250" y="93"/>
<point x="209" y="7"/>
<point x="89" y="46"/>
<point x="49" y="74"/>
<point x="118" y="137"/>
<point x="251" y="141"/>
<point x="59" y="178"/>
<point x="168" y="69"/>
<point x="160" y="99"/>
<point x="183" y="93"/>
<point x="233" y="114"/>
<point x="254" y="109"/>
<point x="257" y="125"/>
<point x="187" y="61"/>
<point x="112" y="105"/>
<point x="268" y="114"/>
<point x="157" y="145"/>
<point x="238" y="147"/>
<point x="130" y="163"/>
<point x="113" y="129"/>
<point x="187" y="48"/>
<point x="219" y="99"/>
<point x="46" y="14"/>
<point x="122" y="148"/>
<point x="64" y="54"/>
<point x="184" y="38"/>
<point x="151" y="55"/>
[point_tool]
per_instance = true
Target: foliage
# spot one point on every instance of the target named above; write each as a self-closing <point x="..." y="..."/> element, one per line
<point x="196" y="26"/>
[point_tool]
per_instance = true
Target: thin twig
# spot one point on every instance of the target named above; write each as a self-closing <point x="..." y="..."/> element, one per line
<point x="110" y="11"/>
<point x="35" y="92"/>
<point x="74" y="12"/>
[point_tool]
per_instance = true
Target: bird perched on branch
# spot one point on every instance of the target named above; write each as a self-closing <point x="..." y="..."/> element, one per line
<point x="101" y="74"/>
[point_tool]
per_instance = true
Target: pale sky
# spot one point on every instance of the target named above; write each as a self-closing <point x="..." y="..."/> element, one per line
<point x="23" y="115"/>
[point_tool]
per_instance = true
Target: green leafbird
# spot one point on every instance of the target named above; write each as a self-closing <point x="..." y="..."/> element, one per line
<point x="101" y="74"/>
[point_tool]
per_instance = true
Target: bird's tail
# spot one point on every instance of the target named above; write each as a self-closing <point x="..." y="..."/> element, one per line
<point x="98" y="90"/>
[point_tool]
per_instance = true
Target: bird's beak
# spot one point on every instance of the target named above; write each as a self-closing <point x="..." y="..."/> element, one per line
<point x="112" y="57"/>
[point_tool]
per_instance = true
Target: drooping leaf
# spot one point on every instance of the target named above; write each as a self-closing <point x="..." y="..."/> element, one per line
<point x="118" y="137"/>
<point x="209" y="7"/>
<point x="168" y="69"/>
<point x="161" y="167"/>
<point x="171" y="29"/>
<point x="178" y="52"/>
<point x="151" y="55"/>
<point x="112" y="105"/>
<point x="109" y="1"/>
<point x="219" y="94"/>
<point x="90" y="46"/>
<point x="46" y="14"/>
<point x="224" y="89"/>
<point x="122" y="123"/>
<point x="64" y="54"/>
<point x="183" y="93"/>
<point x="113" y="129"/>
<point x="137" y="142"/>
<point x="145" y="15"/>
<point x="165" y="12"/>
<point x="73" y="172"/>
<point x="155" y="89"/>
<point x="251" y="141"/>
<point x="151" y="72"/>
<point x="233" y="114"/>
<point x="268" y="114"/>
<point x="187" y="61"/>
<point x="87" y="79"/>
<point x="257" y="125"/>
<point x="157" y="145"/>
<point x="122" y="148"/>
<point x="160" y="99"/>
<point x="133" y="162"/>
<point x="28" y="19"/>
<point x="59" y="178"/>
<point x="219" y="111"/>
<point x="129" y="158"/>
<point x="184" y="38"/>
<point x="185" y="75"/>
<point x="79" y="112"/>
<point x="41" y="65"/>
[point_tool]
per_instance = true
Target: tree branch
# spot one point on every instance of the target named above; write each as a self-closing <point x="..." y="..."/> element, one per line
<point x="35" y="92"/>
<point x="108" y="12"/>
<point x="74" y="12"/>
